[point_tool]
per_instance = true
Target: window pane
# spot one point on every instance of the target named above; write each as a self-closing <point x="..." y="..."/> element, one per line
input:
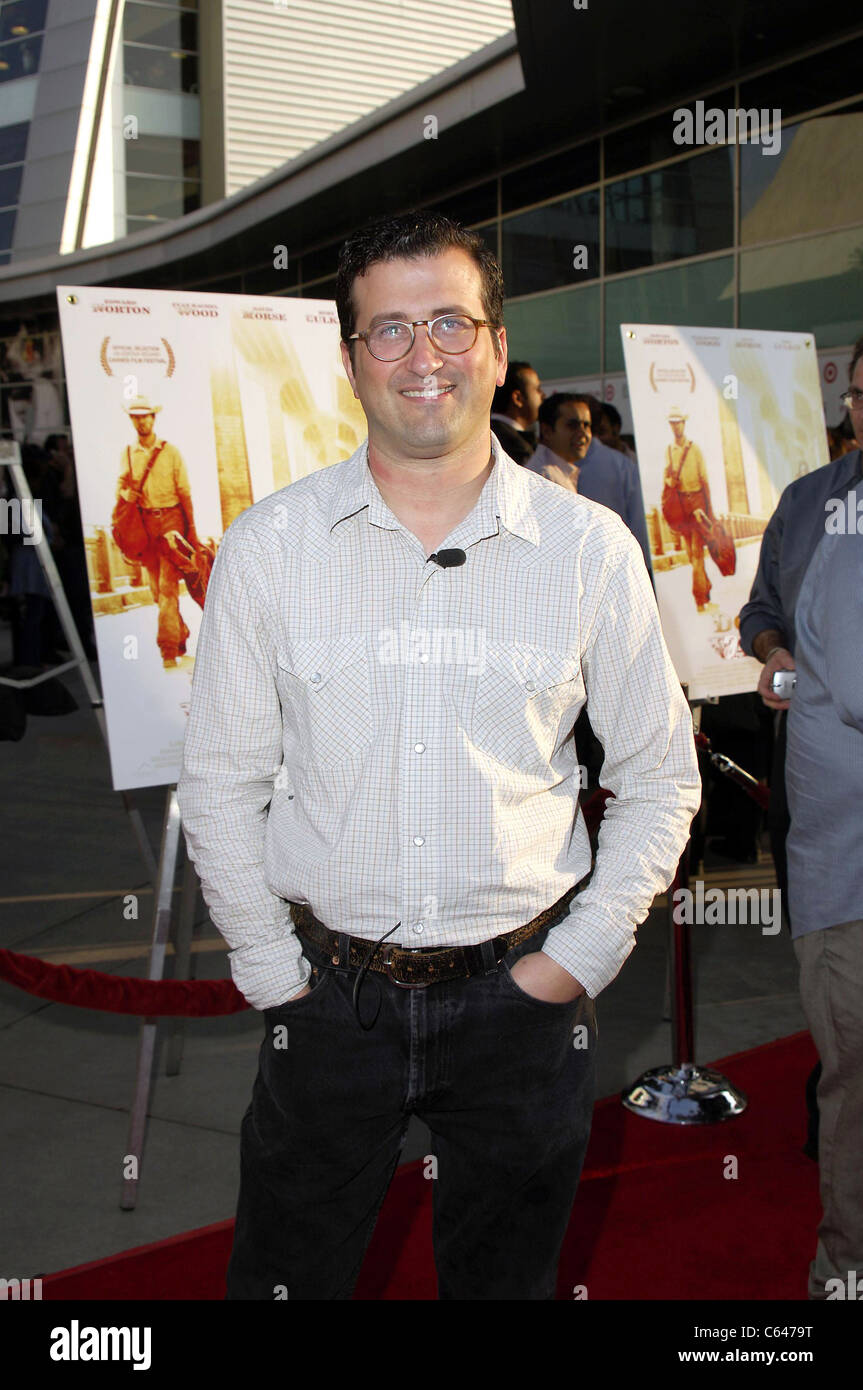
<point x="701" y="294"/>
<point x="20" y="59"/>
<point x="161" y="197"/>
<point x="651" y="140"/>
<point x="554" y="245"/>
<point x="7" y="226"/>
<point x="547" y="177"/>
<point x="558" y="334"/>
<point x="806" y="186"/>
<point x="10" y="182"/>
<point x="164" y="154"/>
<point x="816" y="81"/>
<point x="13" y="142"/>
<point x="684" y="210"/>
<point x="806" y="286"/>
<point x="474" y="205"/>
<point x="164" y="28"/>
<point x="154" y="67"/>
<point x="22" y="17"/>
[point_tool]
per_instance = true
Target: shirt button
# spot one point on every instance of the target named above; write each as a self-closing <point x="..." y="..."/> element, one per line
<point x="315" y="678"/>
<point x="529" y="685"/>
<point x="424" y="656"/>
<point x="418" y="840"/>
<point x="418" y="928"/>
<point x="419" y="748"/>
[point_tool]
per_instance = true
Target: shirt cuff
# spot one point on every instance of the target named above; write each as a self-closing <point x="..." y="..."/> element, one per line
<point x="270" y="973"/>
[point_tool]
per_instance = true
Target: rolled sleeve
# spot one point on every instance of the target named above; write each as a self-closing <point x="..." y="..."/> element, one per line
<point x="640" y="715"/>
<point x="231" y="755"/>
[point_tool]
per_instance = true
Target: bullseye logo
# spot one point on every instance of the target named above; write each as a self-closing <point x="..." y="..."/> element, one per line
<point x="830" y="372"/>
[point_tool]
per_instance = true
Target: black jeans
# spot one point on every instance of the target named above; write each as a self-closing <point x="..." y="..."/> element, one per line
<point x="505" y="1083"/>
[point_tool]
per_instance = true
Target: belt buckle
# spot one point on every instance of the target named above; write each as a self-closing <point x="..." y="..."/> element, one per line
<point x="402" y="984"/>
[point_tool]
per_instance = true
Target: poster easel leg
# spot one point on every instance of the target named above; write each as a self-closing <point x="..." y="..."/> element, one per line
<point x="183" y="964"/>
<point x="133" y="1156"/>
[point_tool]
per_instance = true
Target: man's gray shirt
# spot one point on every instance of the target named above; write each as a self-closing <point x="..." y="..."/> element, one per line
<point x="824" y="767"/>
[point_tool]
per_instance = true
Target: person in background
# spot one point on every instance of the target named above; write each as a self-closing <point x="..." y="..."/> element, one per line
<point x="767" y="621"/>
<point x="824" y="778"/>
<point x="514" y="410"/>
<point x="609" y="430"/>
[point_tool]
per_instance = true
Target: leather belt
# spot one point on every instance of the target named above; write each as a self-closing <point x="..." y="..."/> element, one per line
<point x="416" y="967"/>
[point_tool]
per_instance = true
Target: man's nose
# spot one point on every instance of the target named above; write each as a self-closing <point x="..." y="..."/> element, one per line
<point x="423" y="354"/>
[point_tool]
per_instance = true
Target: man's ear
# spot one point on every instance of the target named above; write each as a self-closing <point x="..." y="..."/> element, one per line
<point x="348" y="366"/>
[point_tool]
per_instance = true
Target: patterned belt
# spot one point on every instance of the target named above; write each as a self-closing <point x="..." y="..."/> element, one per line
<point x="416" y="967"/>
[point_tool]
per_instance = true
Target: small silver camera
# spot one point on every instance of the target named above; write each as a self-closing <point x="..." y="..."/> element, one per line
<point x="783" y="684"/>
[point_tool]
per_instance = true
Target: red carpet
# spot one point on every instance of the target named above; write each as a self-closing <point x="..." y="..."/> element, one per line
<point x="654" y="1218"/>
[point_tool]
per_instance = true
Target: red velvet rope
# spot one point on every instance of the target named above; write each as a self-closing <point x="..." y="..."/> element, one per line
<point x="120" y="994"/>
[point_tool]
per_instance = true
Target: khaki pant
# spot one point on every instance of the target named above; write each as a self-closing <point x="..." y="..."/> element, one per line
<point x="164" y="578"/>
<point x="831" y="988"/>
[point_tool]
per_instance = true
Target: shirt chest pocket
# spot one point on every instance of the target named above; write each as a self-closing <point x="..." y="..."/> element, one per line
<point x="526" y="702"/>
<point x="325" y="685"/>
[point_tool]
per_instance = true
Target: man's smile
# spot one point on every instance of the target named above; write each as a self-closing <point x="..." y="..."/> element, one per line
<point x="426" y="393"/>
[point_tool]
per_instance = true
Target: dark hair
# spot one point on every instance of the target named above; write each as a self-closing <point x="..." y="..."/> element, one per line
<point x="612" y="414"/>
<point x="513" y="381"/>
<point x="855" y="356"/>
<point x="553" y="405"/>
<point x="413" y="235"/>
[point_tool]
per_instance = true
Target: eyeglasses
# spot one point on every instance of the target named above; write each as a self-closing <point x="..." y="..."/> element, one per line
<point x="450" y="333"/>
<point x="853" y="399"/>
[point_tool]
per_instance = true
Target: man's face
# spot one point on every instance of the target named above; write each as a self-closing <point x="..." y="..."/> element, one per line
<point x="144" y="424"/>
<point x="677" y="428"/>
<point x="571" y="436"/>
<point x="857" y="415"/>
<point x="427" y="404"/>
<point x="531" y="396"/>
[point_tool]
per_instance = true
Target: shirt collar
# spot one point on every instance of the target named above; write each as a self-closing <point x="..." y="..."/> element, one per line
<point x="506" y="495"/>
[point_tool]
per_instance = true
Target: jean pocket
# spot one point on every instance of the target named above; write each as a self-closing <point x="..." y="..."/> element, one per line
<point x="326" y="686"/>
<point x="318" y="981"/>
<point x="516" y="990"/>
<point x="526" y="701"/>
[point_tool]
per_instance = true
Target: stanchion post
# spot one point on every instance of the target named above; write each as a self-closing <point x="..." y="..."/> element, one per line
<point x="683" y="1093"/>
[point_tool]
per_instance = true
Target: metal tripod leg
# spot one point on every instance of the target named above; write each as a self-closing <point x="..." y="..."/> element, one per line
<point x="183" y="967"/>
<point x="147" y="1041"/>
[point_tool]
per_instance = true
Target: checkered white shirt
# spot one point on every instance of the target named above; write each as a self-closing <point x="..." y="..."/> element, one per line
<point x="389" y="741"/>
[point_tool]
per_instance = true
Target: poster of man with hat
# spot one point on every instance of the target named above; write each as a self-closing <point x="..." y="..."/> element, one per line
<point x="685" y="495"/>
<point x="723" y="419"/>
<point x="153" y="476"/>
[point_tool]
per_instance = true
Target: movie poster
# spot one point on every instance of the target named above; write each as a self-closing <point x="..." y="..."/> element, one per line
<point x="724" y="420"/>
<point x="204" y="403"/>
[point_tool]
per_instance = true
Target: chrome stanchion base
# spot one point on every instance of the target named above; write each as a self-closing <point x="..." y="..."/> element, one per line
<point x="684" y="1095"/>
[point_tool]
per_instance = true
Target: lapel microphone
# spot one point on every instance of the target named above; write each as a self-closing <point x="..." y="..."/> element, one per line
<point x="448" y="559"/>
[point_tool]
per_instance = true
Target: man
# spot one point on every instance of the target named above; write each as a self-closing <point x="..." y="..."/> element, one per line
<point x="424" y="829"/>
<point x="573" y="457"/>
<point x="824" y="774"/>
<point x="166" y="506"/>
<point x="767" y="621"/>
<point x="564" y="436"/>
<point x="514" y="410"/>
<point x="686" y="474"/>
<point x="610" y="424"/>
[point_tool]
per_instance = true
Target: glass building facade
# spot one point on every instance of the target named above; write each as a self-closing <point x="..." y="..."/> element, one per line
<point x="22" y="25"/>
<point x="160" y="55"/>
<point x="623" y="226"/>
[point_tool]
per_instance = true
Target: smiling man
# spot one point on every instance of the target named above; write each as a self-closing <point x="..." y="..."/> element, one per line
<point x="391" y="845"/>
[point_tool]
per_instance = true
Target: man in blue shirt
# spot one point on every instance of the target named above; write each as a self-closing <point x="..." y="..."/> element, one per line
<point x="570" y="454"/>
